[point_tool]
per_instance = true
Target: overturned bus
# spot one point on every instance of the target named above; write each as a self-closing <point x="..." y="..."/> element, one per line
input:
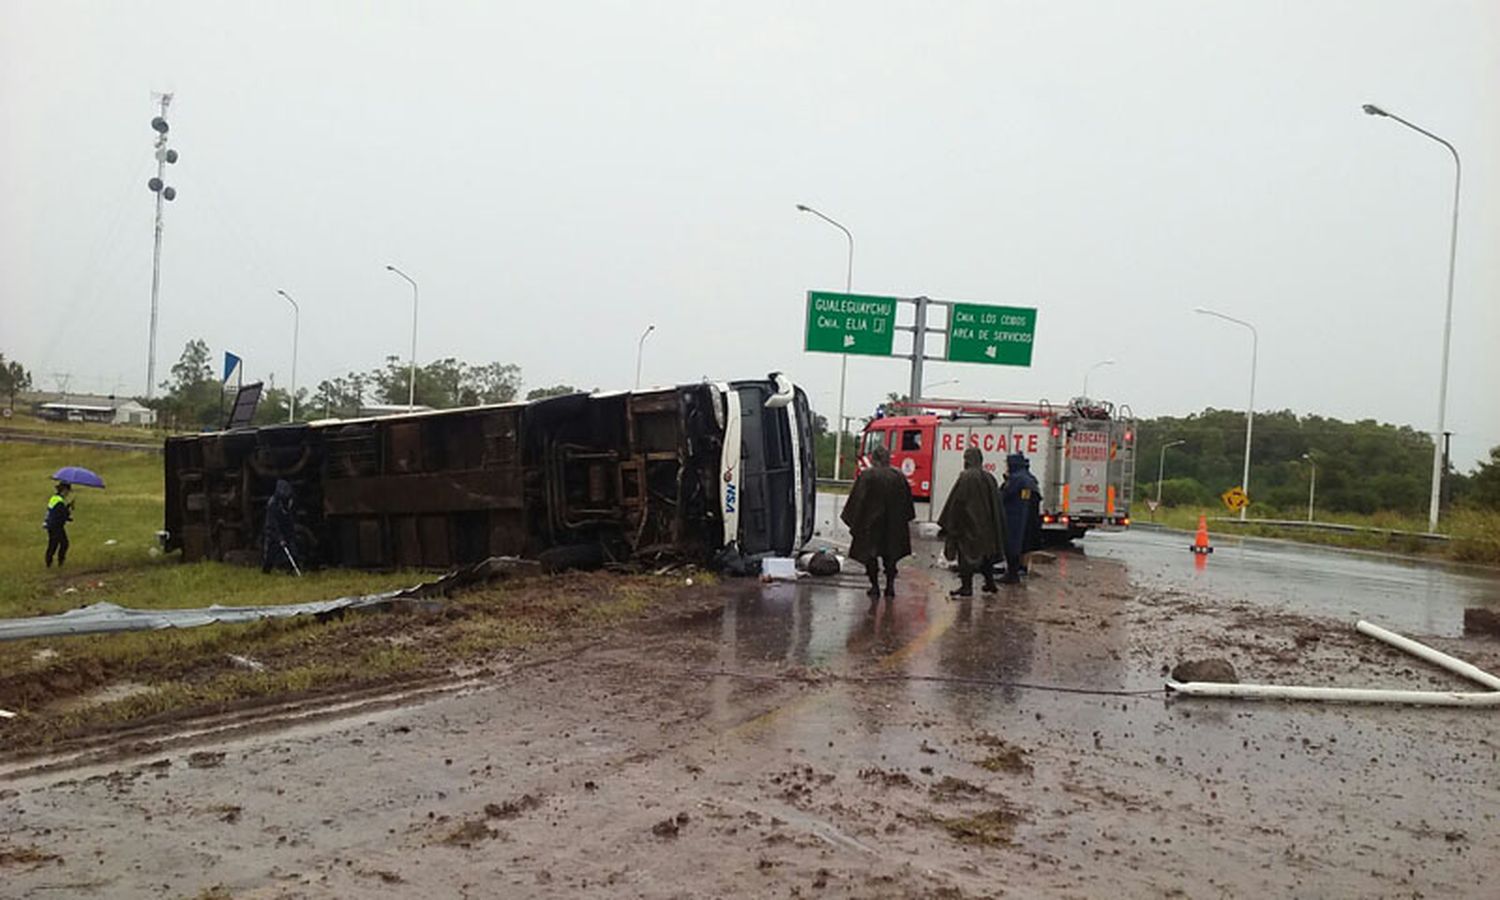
<point x="719" y="473"/>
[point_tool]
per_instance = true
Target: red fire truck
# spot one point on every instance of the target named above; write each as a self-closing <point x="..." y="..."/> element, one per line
<point x="1083" y="455"/>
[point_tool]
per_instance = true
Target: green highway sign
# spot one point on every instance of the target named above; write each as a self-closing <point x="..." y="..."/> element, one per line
<point x="1001" y="335"/>
<point x="850" y="323"/>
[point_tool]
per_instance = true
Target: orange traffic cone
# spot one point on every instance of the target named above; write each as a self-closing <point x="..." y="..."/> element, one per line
<point x="1200" y="541"/>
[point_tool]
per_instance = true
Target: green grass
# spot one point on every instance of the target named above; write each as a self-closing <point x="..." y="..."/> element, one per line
<point x="131" y="571"/>
<point x="25" y="423"/>
<point x="51" y="680"/>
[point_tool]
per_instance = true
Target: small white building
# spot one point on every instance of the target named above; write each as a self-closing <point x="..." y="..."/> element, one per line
<point x="133" y="413"/>
<point x="99" y="408"/>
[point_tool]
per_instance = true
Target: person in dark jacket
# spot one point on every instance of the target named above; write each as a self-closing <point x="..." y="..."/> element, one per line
<point x="280" y="531"/>
<point x="1033" y="540"/>
<point x="972" y="526"/>
<point x="59" y="514"/>
<point x="878" y="514"/>
<point x="1019" y="495"/>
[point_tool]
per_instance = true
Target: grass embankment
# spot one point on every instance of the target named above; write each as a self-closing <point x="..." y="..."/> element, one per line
<point x="24" y="423"/>
<point x="1474" y="536"/>
<point x="57" y="684"/>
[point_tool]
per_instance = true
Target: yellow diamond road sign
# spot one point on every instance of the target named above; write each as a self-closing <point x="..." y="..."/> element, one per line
<point x="1235" y="498"/>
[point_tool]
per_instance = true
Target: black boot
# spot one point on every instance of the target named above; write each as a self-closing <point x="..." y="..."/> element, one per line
<point x="874" y="591"/>
<point x="890" y="586"/>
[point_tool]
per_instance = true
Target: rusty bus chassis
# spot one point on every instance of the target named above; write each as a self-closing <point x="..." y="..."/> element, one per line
<point x="713" y="473"/>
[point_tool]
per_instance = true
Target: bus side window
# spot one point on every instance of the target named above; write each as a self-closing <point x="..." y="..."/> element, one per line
<point x="911" y="441"/>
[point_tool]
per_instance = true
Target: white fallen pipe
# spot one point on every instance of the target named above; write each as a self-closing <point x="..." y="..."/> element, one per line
<point x="1364" y="695"/>
<point x="1345" y="695"/>
<point x="1436" y="657"/>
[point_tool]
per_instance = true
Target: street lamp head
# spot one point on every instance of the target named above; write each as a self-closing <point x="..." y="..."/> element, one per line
<point x="390" y="268"/>
<point x="1204" y="310"/>
<point x="801" y="208"/>
<point x="281" y="292"/>
<point x="1373" y="110"/>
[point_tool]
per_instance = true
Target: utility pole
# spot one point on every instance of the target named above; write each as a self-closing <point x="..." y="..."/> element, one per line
<point x="158" y="187"/>
<point x="62" y="380"/>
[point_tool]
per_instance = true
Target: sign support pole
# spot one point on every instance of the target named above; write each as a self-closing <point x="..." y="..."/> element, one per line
<point x="918" y="348"/>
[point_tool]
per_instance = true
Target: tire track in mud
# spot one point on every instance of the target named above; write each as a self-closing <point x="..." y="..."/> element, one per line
<point x="279" y="717"/>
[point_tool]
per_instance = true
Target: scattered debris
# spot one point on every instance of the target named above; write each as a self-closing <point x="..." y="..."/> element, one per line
<point x="988" y="828"/>
<point x="469" y="833"/>
<point x="25" y="856"/>
<point x="778" y="568"/>
<point x="951" y="788"/>
<point x="228" y="812"/>
<point x="1487" y="698"/>
<point x="821" y="563"/>
<point x="669" y="828"/>
<point x="1214" y="670"/>
<point x="512" y="809"/>
<point x="1004" y="756"/>
<point x="245" y="662"/>
<point x="205" y="759"/>
<point x="100" y="618"/>
<point x="886" y="778"/>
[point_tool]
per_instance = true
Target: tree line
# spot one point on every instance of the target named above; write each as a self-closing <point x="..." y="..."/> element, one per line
<point x="194" y="397"/>
<point x="1362" y="467"/>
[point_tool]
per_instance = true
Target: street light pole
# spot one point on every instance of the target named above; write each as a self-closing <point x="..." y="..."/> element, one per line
<point x="1161" y="467"/>
<point x="838" y="439"/>
<point x="640" y="348"/>
<point x="1102" y="362"/>
<point x="163" y="191"/>
<point x="291" y="415"/>
<point x="411" y="388"/>
<point x="1250" y="410"/>
<point x="1312" y="484"/>
<point x="1437" y="436"/>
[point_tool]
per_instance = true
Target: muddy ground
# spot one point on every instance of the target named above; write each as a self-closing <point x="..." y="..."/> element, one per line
<point x="796" y="741"/>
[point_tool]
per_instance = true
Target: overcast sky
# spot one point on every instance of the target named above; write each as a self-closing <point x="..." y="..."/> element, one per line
<point x="556" y="176"/>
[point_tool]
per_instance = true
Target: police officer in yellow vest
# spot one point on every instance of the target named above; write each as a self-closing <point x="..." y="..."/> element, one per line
<point x="59" y="513"/>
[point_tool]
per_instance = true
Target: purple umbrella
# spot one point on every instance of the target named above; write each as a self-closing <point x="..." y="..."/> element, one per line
<point x="79" y="476"/>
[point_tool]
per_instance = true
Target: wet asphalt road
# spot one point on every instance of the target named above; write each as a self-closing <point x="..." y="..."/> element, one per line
<point x="812" y="743"/>
<point x="1423" y="596"/>
<point x="1419" y="595"/>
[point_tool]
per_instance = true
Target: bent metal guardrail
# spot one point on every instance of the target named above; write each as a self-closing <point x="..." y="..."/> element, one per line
<point x="1341" y="527"/>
